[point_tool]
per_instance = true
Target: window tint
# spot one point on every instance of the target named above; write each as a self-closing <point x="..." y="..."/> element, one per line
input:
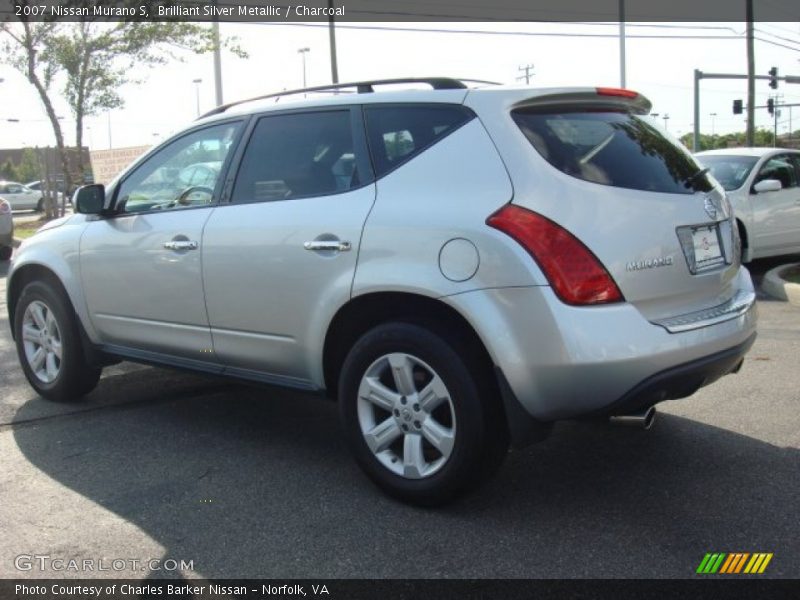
<point x="396" y="133"/>
<point x="298" y="155"/>
<point x="780" y="168"/>
<point x="730" y="171"/>
<point x="182" y="174"/>
<point x="612" y="148"/>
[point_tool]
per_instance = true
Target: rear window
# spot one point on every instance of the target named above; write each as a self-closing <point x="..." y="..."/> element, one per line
<point x="399" y="132"/>
<point x="612" y="148"/>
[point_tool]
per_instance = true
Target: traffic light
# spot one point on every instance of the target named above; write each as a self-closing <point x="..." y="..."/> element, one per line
<point x="771" y="106"/>
<point x="773" y="78"/>
<point x="737" y="107"/>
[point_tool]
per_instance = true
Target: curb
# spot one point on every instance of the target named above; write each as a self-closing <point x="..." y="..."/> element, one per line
<point x="777" y="287"/>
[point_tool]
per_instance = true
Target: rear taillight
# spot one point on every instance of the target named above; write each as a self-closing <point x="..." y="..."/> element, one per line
<point x="575" y="274"/>
<point x="5" y="207"/>
<point x="619" y="92"/>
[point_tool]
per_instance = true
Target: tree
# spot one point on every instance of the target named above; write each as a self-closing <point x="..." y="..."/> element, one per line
<point x="26" y="53"/>
<point x="96" y="61"/>
<point x="762" y="138"/>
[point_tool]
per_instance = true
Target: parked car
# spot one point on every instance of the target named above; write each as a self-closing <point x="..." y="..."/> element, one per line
<point x="6" y="230"/>
<point x="459" y="268"/>
<point x="763" y="184"/>
<point x="21" y="197"/>
<point x="60" y="186"/>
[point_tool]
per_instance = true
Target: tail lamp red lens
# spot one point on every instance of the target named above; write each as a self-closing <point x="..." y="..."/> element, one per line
<point x="575" y="274"/>
<point x="5" y="207"/>
<point x="618" y="92"/>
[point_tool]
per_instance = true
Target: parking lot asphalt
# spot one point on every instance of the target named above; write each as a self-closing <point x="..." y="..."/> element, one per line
<point x="253" y="482"/>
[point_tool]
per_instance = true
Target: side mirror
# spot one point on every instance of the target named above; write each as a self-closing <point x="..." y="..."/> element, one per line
<point x="90" y="199"/>
<point x="767" y="185"/>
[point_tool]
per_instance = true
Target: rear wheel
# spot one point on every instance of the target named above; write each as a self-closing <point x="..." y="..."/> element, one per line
<point x="420" y="418"/>
<point x="40" y="205"/>
<point x="49" y="345"/>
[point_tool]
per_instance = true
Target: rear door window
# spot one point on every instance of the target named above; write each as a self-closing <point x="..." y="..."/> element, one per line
<point x="399" y="132"/>
<point x="299" y="155"/>
<point x="612" y="148"/>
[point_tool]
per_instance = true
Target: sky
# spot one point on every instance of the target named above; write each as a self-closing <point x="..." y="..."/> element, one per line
<point x="165" y="99"/>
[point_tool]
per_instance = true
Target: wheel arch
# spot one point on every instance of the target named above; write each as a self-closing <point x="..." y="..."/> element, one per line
<point x="362" y="313"/>
<point x="744" y="238"/>
<point x="26" y="274"/>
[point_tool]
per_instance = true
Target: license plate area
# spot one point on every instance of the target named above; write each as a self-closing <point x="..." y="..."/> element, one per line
<point x="702" y="247"/>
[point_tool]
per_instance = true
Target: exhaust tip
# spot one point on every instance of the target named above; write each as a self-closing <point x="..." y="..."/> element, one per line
<point x="643" y="419"/>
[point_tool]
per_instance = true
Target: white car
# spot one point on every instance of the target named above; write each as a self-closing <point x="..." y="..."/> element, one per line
<point x="21" y="197"/>
<point x="763" y="184"/>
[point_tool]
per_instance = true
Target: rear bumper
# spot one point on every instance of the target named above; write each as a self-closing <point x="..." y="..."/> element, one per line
<point x="681" y="381"/>
<point x="565" y="362"/>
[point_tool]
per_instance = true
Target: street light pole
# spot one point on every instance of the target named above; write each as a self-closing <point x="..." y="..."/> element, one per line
<point x="197" y="83"/>
<point x="712" y="115"/>
<point x="302" y="52"/>
<point x="622" y="77"/>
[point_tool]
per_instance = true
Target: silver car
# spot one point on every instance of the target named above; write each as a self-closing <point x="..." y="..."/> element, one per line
<point x="459" y="268"/>
<point x="21" y="197"/>
<point x="6" y="230"/>
<point x="763" y="184"/>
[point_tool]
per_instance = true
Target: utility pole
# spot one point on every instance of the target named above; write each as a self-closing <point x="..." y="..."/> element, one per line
<point x="751" y="71"/>
<point x="302" y="52"/>
<point x="217" y="58"/>
<point x="527" y="69"/>
<point x="622" y="78"/>
<point x="332" y="39"/>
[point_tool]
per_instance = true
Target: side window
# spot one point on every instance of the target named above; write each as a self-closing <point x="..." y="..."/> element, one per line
<point x="780" y="168"/>
<point x="184" y="173"/>
<point x="298" y="155"/>
<point x="13" y="188"/>
<point x="398" y="132"/>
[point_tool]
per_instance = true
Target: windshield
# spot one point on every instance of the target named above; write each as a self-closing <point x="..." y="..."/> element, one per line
<point x="612" y="148"/>
<point x="730" y="171"/>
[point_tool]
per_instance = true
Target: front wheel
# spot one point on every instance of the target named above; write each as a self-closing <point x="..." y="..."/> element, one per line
<point x="419" y="416"/>
<point x="49" y="345"/>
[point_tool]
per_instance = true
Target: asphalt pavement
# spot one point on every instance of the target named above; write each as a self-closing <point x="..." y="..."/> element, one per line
<point x="253" y="482"/>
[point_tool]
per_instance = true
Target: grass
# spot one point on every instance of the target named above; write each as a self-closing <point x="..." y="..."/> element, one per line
<point x="26" y="230"/>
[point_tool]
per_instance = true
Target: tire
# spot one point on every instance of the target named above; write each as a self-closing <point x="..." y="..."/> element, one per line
<point x="44" y="309"/>
<point x="5" y="252"/>
<point x="40" y="205"/>
<point x="391" y="426"/>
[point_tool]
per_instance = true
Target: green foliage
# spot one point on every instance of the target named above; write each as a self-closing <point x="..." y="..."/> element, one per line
<point x="29" y="168"/>
<point x="761" y="138"/>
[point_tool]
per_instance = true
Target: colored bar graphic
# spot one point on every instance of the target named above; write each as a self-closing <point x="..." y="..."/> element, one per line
<point x="734" y="563"/>
<point x="703" y="563"/>
<point x="765" y="563"/>
<point x="726" y="565"/>
<point x="740" y="564"/>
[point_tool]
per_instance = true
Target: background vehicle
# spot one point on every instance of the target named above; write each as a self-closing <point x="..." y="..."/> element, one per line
<point x="6" y="230"/>
<point x="21" y="197"/>
<point x="763" y="184"/>
<point x="459" y="268"/>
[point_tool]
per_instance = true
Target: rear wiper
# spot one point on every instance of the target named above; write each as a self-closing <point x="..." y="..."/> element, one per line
<point x="697" y="176"/>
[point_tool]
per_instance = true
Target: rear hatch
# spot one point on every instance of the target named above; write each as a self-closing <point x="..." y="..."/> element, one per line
<point x="633" y="195"/>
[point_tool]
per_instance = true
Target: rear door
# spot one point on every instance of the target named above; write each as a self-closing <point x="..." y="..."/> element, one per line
<point x="776" y="215"/>
<point x="279" y="259"/>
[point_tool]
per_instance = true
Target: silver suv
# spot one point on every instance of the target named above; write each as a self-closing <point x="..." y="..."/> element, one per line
<point x="458" y="267"/>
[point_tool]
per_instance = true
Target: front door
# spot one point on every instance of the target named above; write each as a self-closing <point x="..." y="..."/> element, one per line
<point x="776" y="215"/>
<point x="141" y="267"/>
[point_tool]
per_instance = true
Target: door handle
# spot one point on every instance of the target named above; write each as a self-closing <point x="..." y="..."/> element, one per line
<point x="181" y="245"/>
<point x="336" y="245"/>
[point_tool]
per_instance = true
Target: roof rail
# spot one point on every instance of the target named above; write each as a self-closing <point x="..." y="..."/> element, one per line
<point x="362" y="87"/>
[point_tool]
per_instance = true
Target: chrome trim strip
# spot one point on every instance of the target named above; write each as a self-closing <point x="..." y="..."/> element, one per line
<point x="733" y="308"/>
